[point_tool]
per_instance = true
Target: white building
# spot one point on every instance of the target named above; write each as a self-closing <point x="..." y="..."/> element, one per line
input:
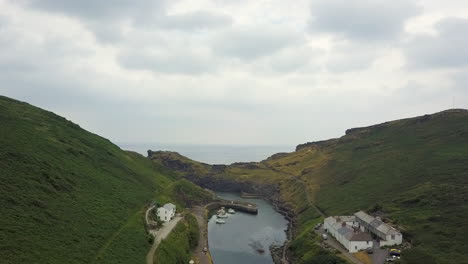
<point x="345" y="229"/>
<point x="388" y="235"/>
<point x="167" y="212"/>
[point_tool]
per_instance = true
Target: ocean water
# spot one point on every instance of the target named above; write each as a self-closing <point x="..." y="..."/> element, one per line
<point x="213" y="154"/>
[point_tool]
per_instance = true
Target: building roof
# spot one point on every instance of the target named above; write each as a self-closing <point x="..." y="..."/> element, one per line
<point x="361" y="236"/>
<point x="345" y="218"/>
<point x="376" y="223"/>
<point x="353" y="235"/>
<point x="364" y="217"/>
<point x="169" y="207"/>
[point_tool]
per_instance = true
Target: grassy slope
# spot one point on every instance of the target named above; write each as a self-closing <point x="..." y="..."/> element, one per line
<point x="414" y="170"/>
<point x="69" y="196"/>
<point x="176" y="248"/>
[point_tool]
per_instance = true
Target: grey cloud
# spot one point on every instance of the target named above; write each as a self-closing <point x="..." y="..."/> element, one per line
<point x="193" y="21"/>
<point x="351" y="57"/>
<point x="170" y="62"/>
<point x="361" y="19"/>
<point x="106" y="19"/>
<point x="253" y="43"/>
<point x="448" y="49"/>
<point x="100" y="9"/>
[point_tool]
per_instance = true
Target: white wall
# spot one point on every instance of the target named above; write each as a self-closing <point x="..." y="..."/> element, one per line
<point x="390" y="242"/>
<point x="355" y="246"/>
<point x="165" y="215"/>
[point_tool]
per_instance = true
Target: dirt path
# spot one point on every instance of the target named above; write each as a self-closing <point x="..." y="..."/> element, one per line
<point x="201" y="257"/>
<point x="159" y="235"/>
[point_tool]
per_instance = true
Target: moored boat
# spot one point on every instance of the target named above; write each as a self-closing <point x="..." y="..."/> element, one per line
<point x="231" y="211"/>
<point x="220" y="221"/>
<point x="222" y="215"/>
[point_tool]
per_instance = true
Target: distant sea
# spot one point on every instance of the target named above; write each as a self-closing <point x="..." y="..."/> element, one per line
<point x="213" y="154"/>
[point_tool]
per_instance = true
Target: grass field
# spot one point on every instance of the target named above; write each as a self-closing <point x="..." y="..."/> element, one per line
<point x="176" y="248"/>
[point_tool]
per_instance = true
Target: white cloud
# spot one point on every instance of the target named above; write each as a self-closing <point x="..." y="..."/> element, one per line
<point x="448" y="48"/>
<point x="248" y="43"/>
<point x="248" y="72"/>
<point x="362" y="19"/>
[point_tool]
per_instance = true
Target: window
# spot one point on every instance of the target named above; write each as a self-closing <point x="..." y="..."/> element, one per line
<point x="355" y="247"/>
<point x="393" y="237"/>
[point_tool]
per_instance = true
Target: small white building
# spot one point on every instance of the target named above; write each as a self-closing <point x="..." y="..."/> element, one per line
<point x="166" y="212"/>
<point x="388" y="235"/>
<point x="345" y="229"/>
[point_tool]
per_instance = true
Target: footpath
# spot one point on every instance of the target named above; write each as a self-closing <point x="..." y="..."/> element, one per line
<point x="159" y="234"/>
<point x="199" y="255"/>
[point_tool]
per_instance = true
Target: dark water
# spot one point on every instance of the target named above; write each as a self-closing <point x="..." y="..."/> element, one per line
<point x="229" y="243"/>
<point x="213" y="154"/>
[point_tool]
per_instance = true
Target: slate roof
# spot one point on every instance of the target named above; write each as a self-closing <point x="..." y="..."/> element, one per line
<point x="352" y="235"/>
<point x="169" y="207"/>
<point x="361" y="236"/>
<point x="364" y="217"/>
<point x="376" y="223"/>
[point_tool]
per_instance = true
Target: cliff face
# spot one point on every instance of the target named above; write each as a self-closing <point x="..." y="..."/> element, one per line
<point x="214" y="177"/>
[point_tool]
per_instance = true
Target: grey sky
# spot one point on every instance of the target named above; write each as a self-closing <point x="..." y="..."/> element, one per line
<point x="234" y="72"/>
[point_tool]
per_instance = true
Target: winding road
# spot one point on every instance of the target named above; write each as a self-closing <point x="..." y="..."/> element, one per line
<point x="160" y="234"/>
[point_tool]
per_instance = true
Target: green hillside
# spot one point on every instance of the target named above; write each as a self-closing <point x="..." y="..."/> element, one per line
<point x="413" y="172"/>
<point x="69" y="196"/>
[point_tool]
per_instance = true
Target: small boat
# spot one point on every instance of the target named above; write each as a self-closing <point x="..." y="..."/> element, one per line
<point x="222" y="215"/>
<point x="220" y="221"/>
<point x="231" y="211"/>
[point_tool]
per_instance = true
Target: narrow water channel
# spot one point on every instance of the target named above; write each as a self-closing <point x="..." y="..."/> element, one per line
<point x="238" y="240"/>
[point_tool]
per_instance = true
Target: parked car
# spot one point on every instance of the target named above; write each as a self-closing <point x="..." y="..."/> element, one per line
<point x="370" y="251"/>
<point x="392" y="258"/>
<point x="325" y="236"/>
<point x="205" y="249"/>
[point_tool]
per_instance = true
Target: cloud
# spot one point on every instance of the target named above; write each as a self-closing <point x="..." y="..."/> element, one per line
<point x="447" y="49"/>
<point x="100" y="10"/>
<point x="170" y="62"/>
<point x="361" y="19"/>
<point x="109" y="20"/>
<point x="351" y="56"/>
<point x="249" y="43"/>
<point x="193" y="21"/>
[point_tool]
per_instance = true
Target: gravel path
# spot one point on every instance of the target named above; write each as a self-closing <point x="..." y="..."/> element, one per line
<point x="201" y="257"/>
<point x="159" y="235"/>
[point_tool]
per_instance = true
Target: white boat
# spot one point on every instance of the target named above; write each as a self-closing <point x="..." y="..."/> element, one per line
<point x="222" y="215"/>
<point x="231" y="211"/>
<point x="220" y="221"/>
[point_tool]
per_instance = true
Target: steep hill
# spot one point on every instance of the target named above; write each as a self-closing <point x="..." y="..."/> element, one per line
<point x="69" y="196"/>
<point x="413" y="172"/>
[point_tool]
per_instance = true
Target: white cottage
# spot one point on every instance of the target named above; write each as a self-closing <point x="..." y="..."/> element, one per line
<point x="345" y="229"/>
<point x="166" y="212"/>
<point x="388" y="235"/>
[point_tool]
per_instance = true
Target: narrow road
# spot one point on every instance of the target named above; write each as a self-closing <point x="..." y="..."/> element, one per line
<point x="159" y="235"/>
<point x="148" y="220"/>
<point x="201" y="257"/>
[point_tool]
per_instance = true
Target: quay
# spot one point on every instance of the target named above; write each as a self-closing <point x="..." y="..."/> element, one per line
<point x="240" y="206"/>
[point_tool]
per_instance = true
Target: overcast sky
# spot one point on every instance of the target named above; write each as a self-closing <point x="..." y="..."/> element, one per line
<point x="269" y="72"/>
